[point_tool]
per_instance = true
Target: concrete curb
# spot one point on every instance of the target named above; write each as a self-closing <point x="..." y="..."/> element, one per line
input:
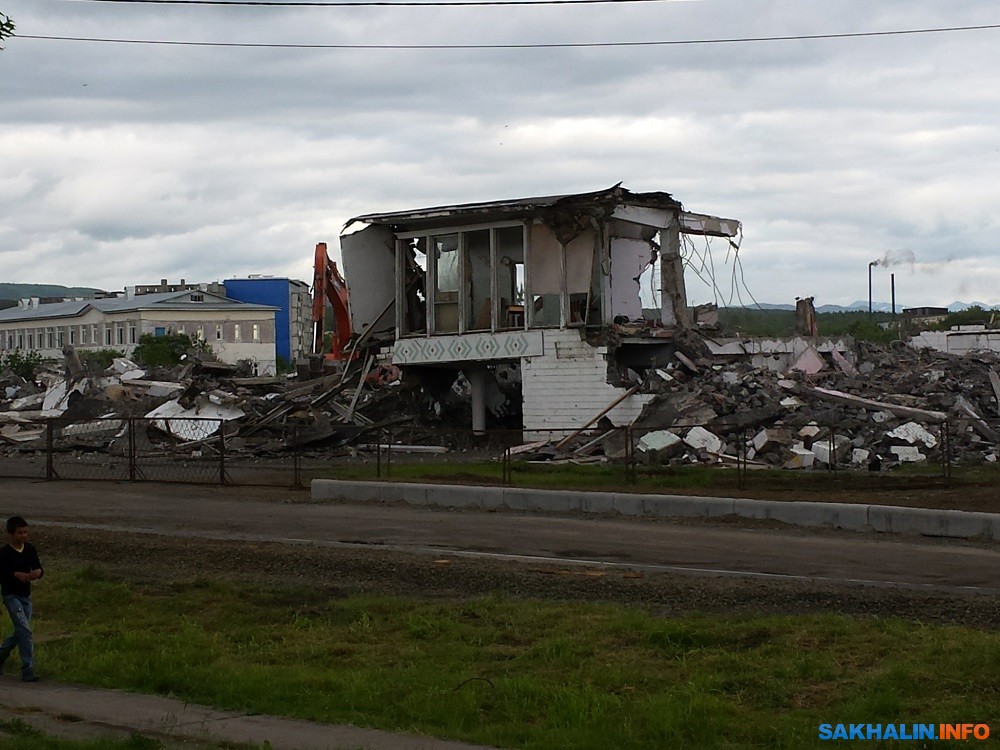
<point x="853" y="517"/>
<point x="117" y="711"/>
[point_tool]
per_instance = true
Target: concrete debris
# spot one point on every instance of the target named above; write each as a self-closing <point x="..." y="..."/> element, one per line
<point x="875" y="410"/>
<point x="702" y="440"/>
<point x="912" y="433"/>
<point x="809" y="362"/>
<point x="907" y="453"/>
<point x="800" y="458"/>
<point x="855" y="406"/>
<point x="192" y="406"/>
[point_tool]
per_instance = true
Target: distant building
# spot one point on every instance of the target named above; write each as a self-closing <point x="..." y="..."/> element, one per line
<point x="293" y="319"/>
<point x="925" y="315"/>
<point x="235" y="330"/>
<point x="214" y="287"/>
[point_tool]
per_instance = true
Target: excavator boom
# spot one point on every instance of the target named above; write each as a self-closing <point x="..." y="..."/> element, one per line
<point x="329" y="285"/>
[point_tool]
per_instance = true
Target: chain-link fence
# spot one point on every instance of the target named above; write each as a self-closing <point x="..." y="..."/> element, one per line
<point x="745" y="458"/>
<point x="191" y="450"/>
<point x="210" y="451"/>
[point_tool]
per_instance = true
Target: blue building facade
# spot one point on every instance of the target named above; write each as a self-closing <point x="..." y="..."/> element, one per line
<point x="292" y="323"/>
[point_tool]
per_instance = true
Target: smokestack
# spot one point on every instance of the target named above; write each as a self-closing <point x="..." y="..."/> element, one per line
<point x="892" y="281"/>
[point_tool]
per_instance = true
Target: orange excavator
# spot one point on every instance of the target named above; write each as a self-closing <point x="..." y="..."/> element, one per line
<point x="328" y="284"/>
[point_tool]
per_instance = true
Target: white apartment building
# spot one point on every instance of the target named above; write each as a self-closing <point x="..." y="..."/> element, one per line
<point x="235" y="330"/>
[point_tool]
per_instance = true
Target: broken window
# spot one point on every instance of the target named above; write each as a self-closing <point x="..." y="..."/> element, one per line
<point x="562" y="278"/>
<point x="446" y="283"/>
<point x="634" y="278"/>
<point x="479" y="302"/>
<point x="412" y="269"/>
<point x="510" y="277"/>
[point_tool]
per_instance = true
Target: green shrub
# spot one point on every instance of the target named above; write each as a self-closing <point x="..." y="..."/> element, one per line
<point x="100" y="359"/>
<point x="167" y="350"/>
<point x="22" y="364"/>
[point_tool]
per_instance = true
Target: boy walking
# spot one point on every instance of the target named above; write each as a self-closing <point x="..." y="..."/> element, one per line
<point x="19" y="566"/>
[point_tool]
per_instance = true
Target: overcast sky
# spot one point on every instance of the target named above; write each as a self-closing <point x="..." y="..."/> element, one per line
<point x="123" y="164"/>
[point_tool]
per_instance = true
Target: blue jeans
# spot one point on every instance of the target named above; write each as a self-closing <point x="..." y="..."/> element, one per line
<point x="19" y="608"/>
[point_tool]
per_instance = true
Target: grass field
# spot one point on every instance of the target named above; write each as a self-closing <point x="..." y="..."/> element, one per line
<point x="617" y="477"/>
<point x="516" y="674"/>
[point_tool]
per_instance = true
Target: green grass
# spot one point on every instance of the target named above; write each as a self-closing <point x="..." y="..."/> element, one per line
<point x="519" y="674"/>
<point x="17" y="734"/>
<point x="616" y="477"/>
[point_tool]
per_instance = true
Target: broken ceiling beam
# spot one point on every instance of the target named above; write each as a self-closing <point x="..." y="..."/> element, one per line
<point x="995" y="382"/>
<point x="907" y="412"/>
<point x="978" y="423"/>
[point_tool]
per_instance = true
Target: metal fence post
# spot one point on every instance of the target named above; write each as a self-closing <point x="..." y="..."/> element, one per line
<point x="741" y="460"/>
<point x="50" y="470"/>
<point x="222" y="454"/>
<point x="630" y="456"/>
<point x="131" y="450"/>
<point x="296" y="459"/>
<point x="832" y="463"/>
<point x="388" y="453"/>
<point x="946" y="452"/>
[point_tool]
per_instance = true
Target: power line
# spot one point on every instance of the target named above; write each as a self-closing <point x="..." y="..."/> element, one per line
<point x="540" y="45"/>
<point x="371" y="3"/>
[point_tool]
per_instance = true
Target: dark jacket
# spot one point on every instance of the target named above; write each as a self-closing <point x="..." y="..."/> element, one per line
<point x="12" y="561"/>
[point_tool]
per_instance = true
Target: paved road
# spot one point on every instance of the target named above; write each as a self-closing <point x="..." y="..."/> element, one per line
<point x="277" y="514"/>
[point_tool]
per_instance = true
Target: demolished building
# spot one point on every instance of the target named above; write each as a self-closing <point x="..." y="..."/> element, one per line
<point x="544" y="291"/>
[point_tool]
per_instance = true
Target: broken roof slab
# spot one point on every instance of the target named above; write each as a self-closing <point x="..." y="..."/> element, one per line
<point x="655" y="209"/>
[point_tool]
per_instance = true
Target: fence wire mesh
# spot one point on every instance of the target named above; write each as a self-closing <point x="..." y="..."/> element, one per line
<point x="209" y="451"/>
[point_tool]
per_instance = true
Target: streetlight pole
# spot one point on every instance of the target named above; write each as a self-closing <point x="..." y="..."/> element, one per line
<point x="870" y="267"/>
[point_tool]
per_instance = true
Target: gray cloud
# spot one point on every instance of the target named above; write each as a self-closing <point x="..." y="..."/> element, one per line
<point x="138" y="162"/>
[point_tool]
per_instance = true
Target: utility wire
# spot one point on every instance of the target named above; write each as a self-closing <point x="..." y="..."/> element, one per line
<point x="550" y="45"/>
<point x="370" y="3"/>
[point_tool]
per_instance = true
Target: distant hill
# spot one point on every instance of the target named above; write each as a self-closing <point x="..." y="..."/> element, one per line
<point x="15" y="292"/>
<point x="862" y="306"/>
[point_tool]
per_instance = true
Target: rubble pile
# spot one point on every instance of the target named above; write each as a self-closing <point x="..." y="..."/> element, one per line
<point x="872" y="408"/>
<point x="189" y="408"/>
<point x="859" y="406"/>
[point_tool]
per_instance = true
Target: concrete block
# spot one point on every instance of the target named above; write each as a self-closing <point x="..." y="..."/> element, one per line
<point x="628" y="504"/>
<point x="913" y="433"/>
<point x="835" y="515"/>
<point x="801" y="458"/>
<point x="809" y="362"/>
<point x="452" y="496"/>
<point x="907" y="453"/>
<point x="518" y="499"/>
<point x="701" y="439"/>
<point x="944" y="523"/>
<point x="810" y="431"/>
<point x="745" y="508"/>
<point x="660" y="440"/>
<point x="768" y="439"/>
<point x="415" y="494"/>
<point x="821" y="449"/>
<point x="860" y="457"/>
<point x="596" y="502"/>
<point x="678" y="506"/>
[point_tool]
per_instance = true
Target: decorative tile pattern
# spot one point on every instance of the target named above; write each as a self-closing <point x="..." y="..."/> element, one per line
<point x="471" y="347"/>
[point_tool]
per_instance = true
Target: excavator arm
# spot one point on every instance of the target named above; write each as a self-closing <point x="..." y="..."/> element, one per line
<point x="329" y="285"/>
